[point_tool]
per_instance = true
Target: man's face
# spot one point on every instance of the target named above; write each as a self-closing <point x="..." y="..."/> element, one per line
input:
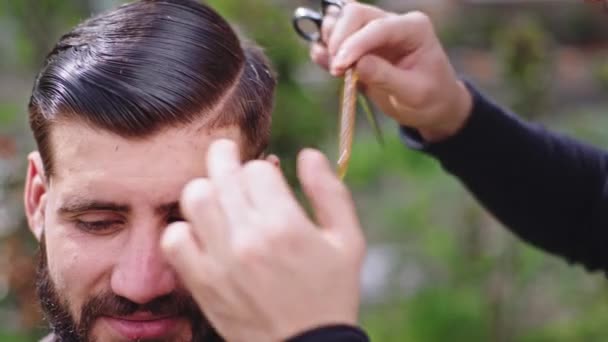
<point x="100" y="219"/>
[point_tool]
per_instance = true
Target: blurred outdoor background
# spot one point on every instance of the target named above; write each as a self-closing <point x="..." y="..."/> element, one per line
<point x="439" y="267"/>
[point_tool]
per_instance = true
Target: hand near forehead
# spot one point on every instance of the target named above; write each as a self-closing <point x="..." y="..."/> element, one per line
<point x="260" y="269"/>
<point x="401" y="64"/>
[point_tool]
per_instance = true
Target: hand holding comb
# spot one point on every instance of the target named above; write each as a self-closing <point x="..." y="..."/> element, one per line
<point x="307" y="24"/>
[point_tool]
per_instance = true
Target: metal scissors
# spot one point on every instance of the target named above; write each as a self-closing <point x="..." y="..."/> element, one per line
<point x="307" y="22"/>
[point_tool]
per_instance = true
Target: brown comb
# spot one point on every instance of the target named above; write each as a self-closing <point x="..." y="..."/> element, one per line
<point x="347" y="121"/>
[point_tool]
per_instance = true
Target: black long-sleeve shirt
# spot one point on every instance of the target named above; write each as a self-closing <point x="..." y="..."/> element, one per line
<point x="549" y="189"/>
<point x="338" y="333"/>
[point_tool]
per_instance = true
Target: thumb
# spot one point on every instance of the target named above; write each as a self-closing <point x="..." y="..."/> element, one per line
<point x="329" y="197"/>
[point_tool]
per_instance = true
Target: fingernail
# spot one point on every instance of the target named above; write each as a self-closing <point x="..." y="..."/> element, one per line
<point x="224" y="143"/>
<point x="173" y="236"/>
<point x="223" y="154"/>
<point x="316" y="156"/>
<point x="202" y="187"/>
<point x="197" y="190"/>
<point x="302" y="154"/>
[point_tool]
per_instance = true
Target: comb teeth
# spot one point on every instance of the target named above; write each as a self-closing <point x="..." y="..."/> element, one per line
<point x="347" y="121"/>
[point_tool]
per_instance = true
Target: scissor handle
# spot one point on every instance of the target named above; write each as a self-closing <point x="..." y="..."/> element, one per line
<point x="303" y="14"/>
<point x="326" y="4"/>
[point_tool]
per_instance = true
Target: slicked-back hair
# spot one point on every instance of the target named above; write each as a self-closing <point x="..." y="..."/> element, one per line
<point x="151" y="65"/>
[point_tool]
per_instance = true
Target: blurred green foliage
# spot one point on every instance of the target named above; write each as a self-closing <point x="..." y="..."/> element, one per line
<point x="524" y="53"/>
<point x="453" y="272"/>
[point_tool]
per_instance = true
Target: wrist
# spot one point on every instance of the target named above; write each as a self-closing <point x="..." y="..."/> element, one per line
<point x="460" y="113"/>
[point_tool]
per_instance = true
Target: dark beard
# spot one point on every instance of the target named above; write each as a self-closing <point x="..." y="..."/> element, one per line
<point x="66" y="329"/>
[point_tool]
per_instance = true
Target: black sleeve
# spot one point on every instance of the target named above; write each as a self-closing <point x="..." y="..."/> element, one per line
<point x="548" y="189"/>
<point x="337" y="333"/>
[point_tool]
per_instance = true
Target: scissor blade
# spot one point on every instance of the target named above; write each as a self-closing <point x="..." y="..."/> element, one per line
<point x="372" y="119"/>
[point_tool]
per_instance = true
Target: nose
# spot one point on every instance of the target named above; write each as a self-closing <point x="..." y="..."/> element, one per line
<point x="141" y="273"/>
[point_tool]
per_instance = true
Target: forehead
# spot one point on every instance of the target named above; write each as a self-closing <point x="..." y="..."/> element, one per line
<point x="85" y="159"/>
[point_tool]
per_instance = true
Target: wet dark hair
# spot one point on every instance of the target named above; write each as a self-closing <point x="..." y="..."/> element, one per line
<point x="150" y="65"/>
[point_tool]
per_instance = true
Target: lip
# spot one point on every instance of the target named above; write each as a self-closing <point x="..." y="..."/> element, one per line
<point x="142" y="327"/>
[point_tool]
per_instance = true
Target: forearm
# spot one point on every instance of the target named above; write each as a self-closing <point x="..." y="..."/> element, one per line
<point x="547" y="188"/>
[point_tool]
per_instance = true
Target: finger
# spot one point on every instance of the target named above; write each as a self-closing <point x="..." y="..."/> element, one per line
<point x="404" y="33"/>
<point x="354" y="16"/>
<point x="224" y="170"/>
<point x="319" y="55"/>
<point x="274" y="160"/>
<point x="328" y="196"/>
<point x="201" y="208"/>
<point x="182" y="252"/>
<point x="269" y="192"/>
<point x="329" y="21"/>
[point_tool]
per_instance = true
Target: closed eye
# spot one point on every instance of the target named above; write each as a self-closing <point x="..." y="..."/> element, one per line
<point x="99" y="227"/>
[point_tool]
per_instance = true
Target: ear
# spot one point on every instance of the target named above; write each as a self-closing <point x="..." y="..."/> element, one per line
<point x="35" y="194"/>
<point x="273" y="159"/>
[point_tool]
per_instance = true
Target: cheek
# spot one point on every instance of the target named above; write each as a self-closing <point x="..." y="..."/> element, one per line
<point x="79" y="265"/>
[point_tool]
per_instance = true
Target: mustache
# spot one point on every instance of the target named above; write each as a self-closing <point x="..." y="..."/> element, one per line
<point x="109" y="304"/>
<point x="67" y="328"/>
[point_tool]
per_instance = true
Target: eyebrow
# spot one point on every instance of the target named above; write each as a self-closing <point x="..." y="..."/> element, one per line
<point x="78" y="206"/>
<point x="168" y="208"/>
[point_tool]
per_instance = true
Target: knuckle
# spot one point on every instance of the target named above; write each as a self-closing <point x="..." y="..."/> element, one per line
<point x="258" y="168"/>
<point x="353" y="9"/>
<point x="276" y="225"/>
<point x="418" y="18"/>
<point x="314" y="55"/>
<point x="317" y="51"/>
<point x="378" y="23"/>
<point x="254" y="167"/>
<point x="281" y="235"/>
<point x="418" y="101"/>
<point x="328" y="24"/>
<point x="287" y="241"/>
<point x="359" y="248"/>
<point x="354" y="251"/>
<point x="249" y="253"/>
<point x="422" y="95"/>
<point x="269" y="223"/>
<point x="278" y="230"/>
